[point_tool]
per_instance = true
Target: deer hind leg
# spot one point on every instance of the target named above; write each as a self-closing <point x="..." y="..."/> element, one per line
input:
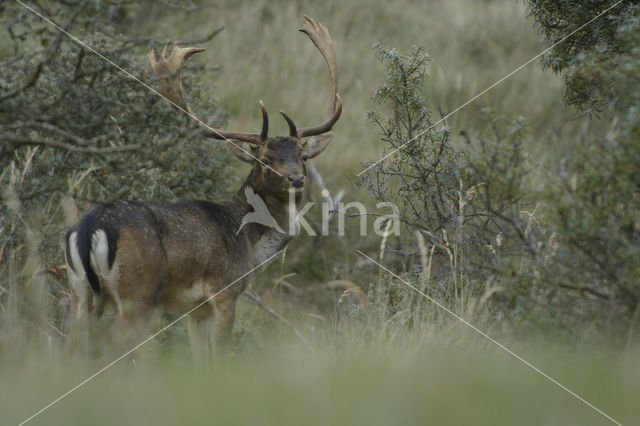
<point x="79" y="320"/>
<point x="81" y="298"/>
<point x="131" y="286"/>
<point x="78" y="282"/>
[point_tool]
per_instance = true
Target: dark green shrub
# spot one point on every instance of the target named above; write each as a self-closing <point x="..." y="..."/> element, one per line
<point x="71" y="123"/>
<point x="465" y="199"/>
<point x="595" y="201"/>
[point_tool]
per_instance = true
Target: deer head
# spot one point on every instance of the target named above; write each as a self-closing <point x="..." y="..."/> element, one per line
<point x="279" y="162"/>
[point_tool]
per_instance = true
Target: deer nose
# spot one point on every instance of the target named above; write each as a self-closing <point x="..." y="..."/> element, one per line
<point x="296" y="180"/>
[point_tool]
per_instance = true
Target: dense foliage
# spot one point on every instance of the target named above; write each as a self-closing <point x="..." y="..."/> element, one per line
<point x="463" y="202"/>
<point x="75" y="129"/>
<point x="550" y="248"/>
<point x="595" y="202"/>
<point x="74" y="124"/>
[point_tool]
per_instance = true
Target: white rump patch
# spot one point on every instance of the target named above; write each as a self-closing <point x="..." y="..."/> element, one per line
<point x="100" y="253"/>
<point x="77" y="270"/>
<point x="78" y="276"/>
<point x="100" y="264"/>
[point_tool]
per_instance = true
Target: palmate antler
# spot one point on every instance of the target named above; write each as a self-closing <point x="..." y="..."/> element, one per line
<point x="320" y="37"/>
<point x="168" y="68"/>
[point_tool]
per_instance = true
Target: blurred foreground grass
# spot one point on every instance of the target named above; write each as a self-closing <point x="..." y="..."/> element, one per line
<point x="451" y="380"/>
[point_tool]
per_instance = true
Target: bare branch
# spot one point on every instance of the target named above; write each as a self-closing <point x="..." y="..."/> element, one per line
<point x="23" y="140"/>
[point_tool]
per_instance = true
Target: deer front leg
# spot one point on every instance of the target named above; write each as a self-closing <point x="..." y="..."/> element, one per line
<point x="198" y="328"/>
<point x="223" y="324"/>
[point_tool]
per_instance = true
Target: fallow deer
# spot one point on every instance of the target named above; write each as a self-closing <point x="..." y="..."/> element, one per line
<point x="130" y="259"/>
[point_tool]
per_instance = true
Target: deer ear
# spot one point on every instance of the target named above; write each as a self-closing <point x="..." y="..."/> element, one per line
<point x="242" y="149"/>
<point x="316" y="144"/>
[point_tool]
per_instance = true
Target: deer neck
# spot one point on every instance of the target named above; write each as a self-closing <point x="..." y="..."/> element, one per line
<point x="267" y="233"/>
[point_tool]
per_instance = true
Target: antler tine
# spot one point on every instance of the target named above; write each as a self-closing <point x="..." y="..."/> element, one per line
<point x="169" y="72"/>
<point x="168" y="69"/>
<point x="293" y="130"/>
<point x="265" y="122"/>
<point x="320" y="37"/>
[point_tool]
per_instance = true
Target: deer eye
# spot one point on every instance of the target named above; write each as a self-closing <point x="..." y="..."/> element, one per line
<point x="265" y="161"/>
<point x="305" y="157"/>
